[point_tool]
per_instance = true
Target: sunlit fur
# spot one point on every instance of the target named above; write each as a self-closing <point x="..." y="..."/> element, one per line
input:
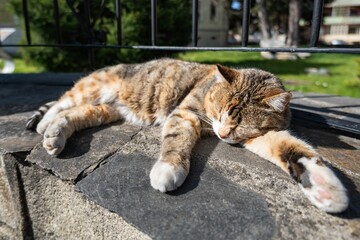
<point x="246" y="106"/>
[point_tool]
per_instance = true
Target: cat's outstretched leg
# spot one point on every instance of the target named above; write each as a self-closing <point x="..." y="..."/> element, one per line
<point x="38" y="115"/>
<point x="74" y="119"/>
<point x="180" y="133"/>
<point x="305" y="165"/>
<point x="56" y="107"/>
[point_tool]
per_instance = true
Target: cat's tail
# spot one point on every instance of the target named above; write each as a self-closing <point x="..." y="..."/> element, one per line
<point x="318" y="182"/>
<point x="33" y="121"/>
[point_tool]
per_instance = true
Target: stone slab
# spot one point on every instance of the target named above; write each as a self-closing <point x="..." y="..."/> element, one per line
<point x="27" y="97"/>
<point x="14" y="137"/>
<point x="331" y="104"/>
<point x="342" y="151"/>
<point x="207" y="206"/>
<point x="53" y="79"/>
<point x="341" y="113"/>
<point x="293" y="213"/>
<point x="56" y="211"/>
<point x="12" y="224"/>
<point x="84" y="151"/>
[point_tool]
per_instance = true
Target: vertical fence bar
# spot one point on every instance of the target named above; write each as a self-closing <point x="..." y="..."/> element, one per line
<point x="57" y="21"/>
<point x="316" y="22"/>
<point x="118" y="21"/>
<point x="88" y="29"/>
<point x="26" y="19"/>
<point x="195" y="16"/>
<point x="245" y="23"/>
<point x="153" y="22"/>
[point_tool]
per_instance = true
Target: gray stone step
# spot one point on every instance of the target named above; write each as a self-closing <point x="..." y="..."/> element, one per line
<point x="207" y="206"/>
<point x="231" y="193"/>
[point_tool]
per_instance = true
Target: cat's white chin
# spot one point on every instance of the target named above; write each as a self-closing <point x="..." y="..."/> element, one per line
<point x="166" y="177"/>
<point x="229" y="140"/>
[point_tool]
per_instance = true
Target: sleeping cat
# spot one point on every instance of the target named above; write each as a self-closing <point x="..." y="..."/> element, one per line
<point x="243" y="106"/>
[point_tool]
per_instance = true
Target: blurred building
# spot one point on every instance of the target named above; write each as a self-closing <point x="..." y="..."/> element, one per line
<point x="213" y="23"/>
<point x="10" y="32"/>
<point x="341" y="24"/>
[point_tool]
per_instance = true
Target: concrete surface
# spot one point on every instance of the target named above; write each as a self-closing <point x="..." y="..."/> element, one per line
<point x="231" y="193"/>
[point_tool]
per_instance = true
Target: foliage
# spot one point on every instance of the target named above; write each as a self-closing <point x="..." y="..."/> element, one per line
<point x="343" y="78"/>
<point x="174" y="26"/>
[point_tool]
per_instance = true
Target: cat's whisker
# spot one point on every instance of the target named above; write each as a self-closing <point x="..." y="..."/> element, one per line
<point x="202" y="116"/>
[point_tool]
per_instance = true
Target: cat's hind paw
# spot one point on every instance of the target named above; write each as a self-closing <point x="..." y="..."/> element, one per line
<point x="33" y="121"/>
<point x="54" y="140"/>
<point x="322" y="187"/>
<point x="166" y="177"/>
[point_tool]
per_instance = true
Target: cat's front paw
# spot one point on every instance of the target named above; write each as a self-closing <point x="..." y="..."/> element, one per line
<point x="42" y="126"/>
<point x="166" y="177"/>
<point x="322" y="187"/>
<point x="54" y="140"/>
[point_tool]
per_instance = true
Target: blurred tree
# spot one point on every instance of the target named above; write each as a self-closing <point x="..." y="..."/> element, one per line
<point x="265" y="25"/>
<point x="174" y="27"/>
<point x="295" y="7"/>
<point x="283" y="17"/>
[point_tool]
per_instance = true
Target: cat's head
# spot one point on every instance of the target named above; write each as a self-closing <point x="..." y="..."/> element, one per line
<point x="253" y="103"/>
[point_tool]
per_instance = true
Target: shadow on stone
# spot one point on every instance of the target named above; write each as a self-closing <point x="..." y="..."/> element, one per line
<point x="207" y="207"/>
<point x="80" y="143"/>
<point x="197" y="165"/>
<point x="319" y="136"/>
<point x="353" y="211"/>
<point x="84" y="151"/>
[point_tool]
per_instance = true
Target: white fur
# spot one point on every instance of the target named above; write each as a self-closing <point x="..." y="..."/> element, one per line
<point x="326" y="192"/>
<point x="279" y="102"/>
<point x="64" y="104"/>
<point x="160" y="119"/>
<point x="261" y="147"/>
<point x="216" y="127"/>
<point x="129" y="115"/>
<point x="107" y="95"/>
<point x="165" y="177"/>
<point x="219" y="77"/>
<point x="52" y="113"/>
<point x="54" y="139"/>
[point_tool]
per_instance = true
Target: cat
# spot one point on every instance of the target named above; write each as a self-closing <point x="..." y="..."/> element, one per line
<point x="241" y="106"/>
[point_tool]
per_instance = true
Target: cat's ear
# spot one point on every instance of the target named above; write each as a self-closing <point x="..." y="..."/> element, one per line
<point x="278" y="101"/>
<point x="228" y="73"/>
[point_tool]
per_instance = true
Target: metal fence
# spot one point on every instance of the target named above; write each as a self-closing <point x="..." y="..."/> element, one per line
<point x="85" y="24"/>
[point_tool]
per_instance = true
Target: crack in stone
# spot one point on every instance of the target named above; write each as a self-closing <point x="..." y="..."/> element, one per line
<point x="27" y="228"/>
<point x="104" y="160"/>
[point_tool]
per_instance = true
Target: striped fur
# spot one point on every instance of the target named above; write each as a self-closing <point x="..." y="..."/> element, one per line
<point x="247" y="106"/>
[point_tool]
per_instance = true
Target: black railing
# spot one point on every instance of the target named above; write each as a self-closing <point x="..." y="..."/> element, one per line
<point x="87" y="26"/>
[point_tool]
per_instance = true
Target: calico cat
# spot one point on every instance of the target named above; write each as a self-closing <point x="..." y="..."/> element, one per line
<point x="244" y="106"/>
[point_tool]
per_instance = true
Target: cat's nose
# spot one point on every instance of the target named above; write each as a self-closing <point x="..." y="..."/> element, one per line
<point x="223" y="135"/>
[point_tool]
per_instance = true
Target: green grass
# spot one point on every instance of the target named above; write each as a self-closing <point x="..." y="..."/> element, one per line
<point x="343" y="78"/>
<point x="21" y="66"/>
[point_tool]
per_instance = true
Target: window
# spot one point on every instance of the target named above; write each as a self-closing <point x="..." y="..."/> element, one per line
<point x="212" y="11"/>
<point x="340" y="11"/>
<point x="354" y="11"/>
<point x="339" y="29"/>
<point x="354" y="29"/>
